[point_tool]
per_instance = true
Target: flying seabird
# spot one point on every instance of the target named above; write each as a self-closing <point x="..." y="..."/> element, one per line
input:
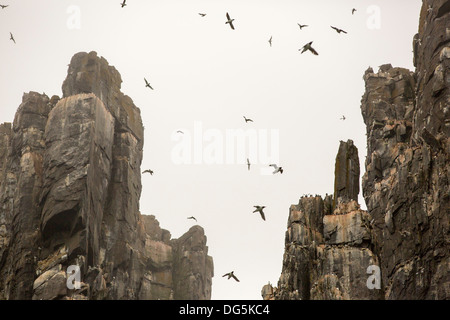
<point x="308" y="47"/>
<point x="179" y="131"/>
<point x="193" y="218"/>
<point x="231" y="275"/>
<point x="230" y="21"/>
<point x="149" y="171"/>
<point x="3" y="6"/>
<point x="301" y="26"/>
<point x="11" y="37"/>
<point x="147" y="84"/>
<point x="338" y="30"/>
<point x="353" y="10"/>
<point x="260" y="210"/>
<point x="270" y="41"/>
<point x="202" y="14"/>
<point x="343" y="118"/>
<point x="248" y="164"/>
<point x="247" y="119"/>
<point x="277" y="168"/>
<point x="123" y="4"/>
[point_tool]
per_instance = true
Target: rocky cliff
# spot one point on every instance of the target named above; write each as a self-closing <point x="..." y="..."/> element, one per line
<point x="70" y="183"/>
<point x="400" y="247"/>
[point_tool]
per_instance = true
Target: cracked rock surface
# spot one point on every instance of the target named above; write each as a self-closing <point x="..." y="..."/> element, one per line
<point x="405" y="231"/>
<point x="70" y="183"/>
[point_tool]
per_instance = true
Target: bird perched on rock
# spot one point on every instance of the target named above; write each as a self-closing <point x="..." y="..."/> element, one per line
<point x="123" y="4"/>
<point x="248" y="164"/>
<point x="202" y="14"/>
<point x="277" y="168"/>
<point x="147" y="84"/>
<point x="3" y="6"/>
<point x="231" y="275"/>
<point x="301" y="26"/>
<point x="270" y="41"/>
<point x="230" y="21"/>
<point x="260" y="210"/>
<point x="148" y="170"/>
<point x="417" y="40"/>
<point x="192" y="218"/>
<point x="247" y="119"/>
<point x="308" y="47"/>
<point x="11" y="37"/>
<point x="338" y="30"/>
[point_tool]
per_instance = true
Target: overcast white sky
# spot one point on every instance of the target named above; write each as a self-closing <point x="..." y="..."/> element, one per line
<point x="204" y="73"/>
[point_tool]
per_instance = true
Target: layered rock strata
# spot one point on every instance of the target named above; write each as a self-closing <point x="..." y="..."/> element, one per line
<point x="328" y="245"/>
<point x="70" y="183"/>
<point x="400" y="247"/>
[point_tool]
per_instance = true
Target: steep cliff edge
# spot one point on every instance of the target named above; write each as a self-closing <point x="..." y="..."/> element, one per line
<point x="70" y="183"/>
<point x="400" y="247"/>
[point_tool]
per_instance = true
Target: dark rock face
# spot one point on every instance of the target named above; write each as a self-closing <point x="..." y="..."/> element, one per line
<point x="70" y="187"/>
<point x="191" y="263"/>
<point x="346" y="175"/>
<point x="405" y="231"/>
<point x="327" y="252"/>
<point x="406" y="183"/>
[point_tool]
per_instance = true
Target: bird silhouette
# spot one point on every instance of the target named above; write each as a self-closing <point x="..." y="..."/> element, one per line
<point x="3" y="6"/>
<point x="343" y="118"/>
<point x="248" y="164"/>
<point x="148" y="170"/>
<point x="202" y="14"/>
<point x="260" y="210"/>
<point x="247" y="119"/>
<point x="179" y="131"/>
<point x="277" y="168"/>
<point x="147" y="84"/>
<point x="338" y="30"/>
<point x="308" y="47"/>
<point x="301" y="26"/>
<point x="123" y="4"/>
<point x="230" y="21"/>
<point x="192" y="218"/>
<point x="353" y="10"/>
<point x="270" y="41"/>
<point x="231" y="275"/>
<point x="11" y="37"/>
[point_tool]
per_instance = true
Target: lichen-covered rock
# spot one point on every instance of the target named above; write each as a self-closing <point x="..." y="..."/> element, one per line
<point x="70" y="183"/>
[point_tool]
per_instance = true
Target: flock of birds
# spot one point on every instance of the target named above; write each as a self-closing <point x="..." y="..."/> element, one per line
<point x="307" y="47"/>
